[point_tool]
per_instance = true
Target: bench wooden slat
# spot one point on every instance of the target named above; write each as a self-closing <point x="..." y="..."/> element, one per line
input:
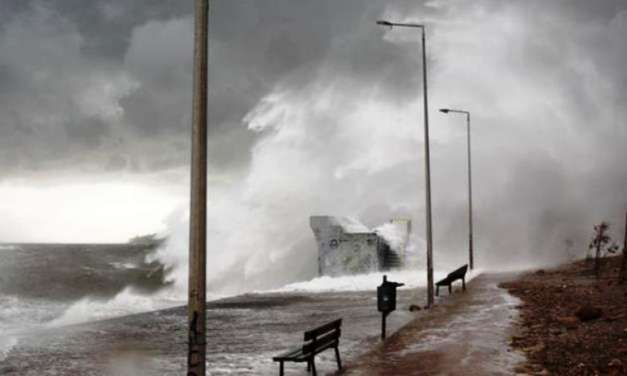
<point x="454" y="275"/>
<point x="293" y="353"/>
<point x="316" y="340"/>
<point x="322" y="341"/>
<point x="311" y="334"/>
<point x="459" y="273"/>
<point x="328" y="345"/>
<point x="444" y="282"/>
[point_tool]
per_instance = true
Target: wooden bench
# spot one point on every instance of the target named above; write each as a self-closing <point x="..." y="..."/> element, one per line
<point x="452" y="277"/>
<point x="316" y="341"/>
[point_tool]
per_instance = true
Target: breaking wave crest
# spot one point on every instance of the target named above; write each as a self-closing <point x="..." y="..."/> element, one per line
<point x="365" y="282"/>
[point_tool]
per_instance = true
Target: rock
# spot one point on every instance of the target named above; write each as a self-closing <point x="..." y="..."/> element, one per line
<point x="589" y="312"/>
<point x="619" y="316"/>
<point x="524" y="369"/>
<point x="569" y="322"/>
<point x="540" y="272"/>
<point x="615" y="367"/>
<point x="414" y="307"/>
<point x="534" y="349"/>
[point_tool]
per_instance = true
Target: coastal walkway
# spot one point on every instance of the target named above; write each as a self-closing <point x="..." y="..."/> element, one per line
<point x="465" y="334"/>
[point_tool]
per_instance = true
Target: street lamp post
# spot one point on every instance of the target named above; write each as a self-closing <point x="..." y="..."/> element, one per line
<point x="427" y="157"/>
<point x="470" y="242"/>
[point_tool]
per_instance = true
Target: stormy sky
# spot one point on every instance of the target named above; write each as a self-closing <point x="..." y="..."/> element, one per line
<point x="314" y="109"/>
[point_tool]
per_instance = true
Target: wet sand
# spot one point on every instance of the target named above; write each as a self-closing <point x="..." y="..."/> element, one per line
<point x="467" y="334"/>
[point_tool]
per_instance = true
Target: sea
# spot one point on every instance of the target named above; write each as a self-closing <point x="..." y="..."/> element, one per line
<point x="110" y="309"/>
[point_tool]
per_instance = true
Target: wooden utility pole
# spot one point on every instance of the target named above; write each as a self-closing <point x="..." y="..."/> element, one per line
<point x="196" y="308"/>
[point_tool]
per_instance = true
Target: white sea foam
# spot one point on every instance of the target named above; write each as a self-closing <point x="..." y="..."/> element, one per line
<point x="123" y="265"/>
<point x="20" y="315"/>
<point x="6" y="247"/>
<point x="350" y="224"/>
<point x="395" y="236"/>
<point x="6" y="344"/>
<point x="365" y="282"/>
<point x="126" y="302"/>
<point x="130" y="302"/>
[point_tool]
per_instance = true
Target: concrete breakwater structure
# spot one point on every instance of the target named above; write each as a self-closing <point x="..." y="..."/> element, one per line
<point x="346" y="246"/>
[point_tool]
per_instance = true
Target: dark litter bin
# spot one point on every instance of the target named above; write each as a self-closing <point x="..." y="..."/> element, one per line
<point x="386" y="300"/>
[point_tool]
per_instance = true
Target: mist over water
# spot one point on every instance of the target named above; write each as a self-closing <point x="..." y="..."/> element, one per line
<point x="343" y="136"/>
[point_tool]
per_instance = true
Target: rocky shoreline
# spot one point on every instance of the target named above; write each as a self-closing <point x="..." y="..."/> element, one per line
<point x="572" y="323"/>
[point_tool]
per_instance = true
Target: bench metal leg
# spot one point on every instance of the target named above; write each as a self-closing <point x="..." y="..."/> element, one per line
<point x="281" y="371"/>
<point x="437" y="290"/>
<point x="337" y="357"/>
<point x="450" y="288"/>
<point x="464" y="284"/>
<point x="313" y="366"/>
<point x="308" y="366"/>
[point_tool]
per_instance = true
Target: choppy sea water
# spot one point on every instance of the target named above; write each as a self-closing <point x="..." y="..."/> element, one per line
<point x="48" y="285"/>
<point x="102" y="310"/>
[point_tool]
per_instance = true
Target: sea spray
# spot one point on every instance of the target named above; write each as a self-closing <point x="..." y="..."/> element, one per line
<point x="304" y="163"/>
<point x="127" y="302"/>
<point x="413" y="279"/>
<point x="7" y="343"/>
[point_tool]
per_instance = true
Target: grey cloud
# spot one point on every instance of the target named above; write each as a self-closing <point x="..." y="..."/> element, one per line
<point x="54" y="51"/>
<point x="253" y="47"/>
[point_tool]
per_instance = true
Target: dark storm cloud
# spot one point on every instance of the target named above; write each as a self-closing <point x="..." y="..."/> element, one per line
<point x="62" y="59"/>
<point x="105" y="25"/>
<point x="134" y="59"/>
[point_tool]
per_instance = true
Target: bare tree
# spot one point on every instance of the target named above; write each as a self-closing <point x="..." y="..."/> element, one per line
<point x="623" y="267"/>
<point x="601" y="243"/>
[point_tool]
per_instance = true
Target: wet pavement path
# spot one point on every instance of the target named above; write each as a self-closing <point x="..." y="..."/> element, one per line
<point x="467" y="334"/>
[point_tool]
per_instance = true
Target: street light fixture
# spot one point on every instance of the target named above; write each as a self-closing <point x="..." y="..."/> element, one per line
<point x="427" y="156"/>
<point x="470" y="240"/>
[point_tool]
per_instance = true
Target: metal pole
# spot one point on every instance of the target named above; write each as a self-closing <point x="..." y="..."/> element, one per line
<point x="383" y="317"/>
<point x="196" y="356"/>
<point x="470" y="241"/>
<point x="430" y="298"/>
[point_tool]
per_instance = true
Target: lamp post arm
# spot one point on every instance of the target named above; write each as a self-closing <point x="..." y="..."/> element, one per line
<point x="409" y="25"/>
<point x="459" y="111"/>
